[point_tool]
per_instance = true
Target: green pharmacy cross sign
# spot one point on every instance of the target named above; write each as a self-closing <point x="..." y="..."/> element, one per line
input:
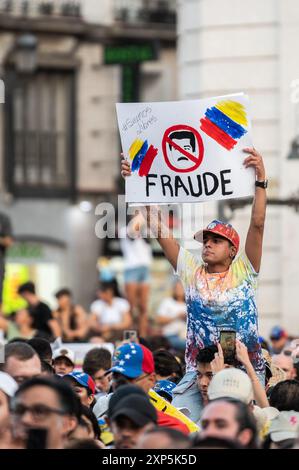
<point x="124" y="54"/>
<point x="129" y="57"/>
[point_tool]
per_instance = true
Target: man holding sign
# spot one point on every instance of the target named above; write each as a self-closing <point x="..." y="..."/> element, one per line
<point x="221" y="290"/>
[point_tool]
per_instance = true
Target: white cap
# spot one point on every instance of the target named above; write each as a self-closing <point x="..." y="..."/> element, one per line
<point x="264" y="416"/>
<point x="101" y="407"/>
<point x="7" y="384"/>
<point x="64" y="352"/>
<point x="284" y="426"/>
<point x="233" y="383"/>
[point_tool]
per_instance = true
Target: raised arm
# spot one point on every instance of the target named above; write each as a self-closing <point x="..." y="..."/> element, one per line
<point x="158" y="227"/>
<point x="254" y="240"/>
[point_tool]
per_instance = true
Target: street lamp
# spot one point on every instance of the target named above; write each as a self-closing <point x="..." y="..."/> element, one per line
<point x="26" y="53"/>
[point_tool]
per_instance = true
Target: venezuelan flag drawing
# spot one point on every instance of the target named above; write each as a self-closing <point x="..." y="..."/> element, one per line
<point x="224" y="123"/>
<point x="142" y="156"/>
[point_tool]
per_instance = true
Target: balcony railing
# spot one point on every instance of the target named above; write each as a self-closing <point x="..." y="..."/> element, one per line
<point x="145" y="11"/>
<point x="37" y="8"/>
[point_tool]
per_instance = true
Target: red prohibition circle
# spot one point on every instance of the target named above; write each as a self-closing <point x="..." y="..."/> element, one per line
<point x="196" y="159"/>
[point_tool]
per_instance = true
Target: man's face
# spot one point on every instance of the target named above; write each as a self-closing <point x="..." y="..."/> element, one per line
<point x="64" y="301"/>
<point x="178" y="159"/>
<point x="286" y="364"/>
<point x="23" y="370"/>
<point x="126" y="433"/>
<point x="278" y="344"/>
<point x="39" y="407"/>
<point x="63" y="365"/>
<point x="102" y="381"/>
<point x="144" y="381"/>
<point x="216" y="249"/>
<point x="204" y="377"/>
<point x="23" y="317"/>
<point x="159" y="441"/>
<point x="219" y="420"/>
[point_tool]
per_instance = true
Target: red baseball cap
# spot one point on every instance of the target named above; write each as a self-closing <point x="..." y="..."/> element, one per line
<point x="220" y="228"/>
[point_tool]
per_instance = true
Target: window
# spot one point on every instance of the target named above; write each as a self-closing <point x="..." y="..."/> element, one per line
<point x="40" y="152"/>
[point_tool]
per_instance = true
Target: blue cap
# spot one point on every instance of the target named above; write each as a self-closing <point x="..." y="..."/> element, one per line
<point x="277" y="332"/>
<point x="165" y="386"/>
<point x="83" y="379"/>
<point x="132" y="360"/>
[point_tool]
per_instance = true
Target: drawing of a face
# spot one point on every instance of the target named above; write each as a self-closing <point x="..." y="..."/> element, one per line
<point x="184" y="140"/>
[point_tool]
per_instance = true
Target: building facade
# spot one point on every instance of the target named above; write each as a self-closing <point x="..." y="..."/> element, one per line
<point x="59" y="145"/>
<point x="224" y="49"/>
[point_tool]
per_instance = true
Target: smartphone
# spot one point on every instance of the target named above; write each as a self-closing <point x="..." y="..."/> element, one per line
<point x="37" y="438"/>
<point x="130" y="336"/>
<point x="228" y="344"/>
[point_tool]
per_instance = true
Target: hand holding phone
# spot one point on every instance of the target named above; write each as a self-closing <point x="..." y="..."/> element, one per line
<point x="37" y="438"/>
<point x="130" y="336"/>
<point x="228" y="345"/>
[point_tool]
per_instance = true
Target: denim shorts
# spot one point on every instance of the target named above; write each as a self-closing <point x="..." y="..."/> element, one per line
<point x="139" y="274"/>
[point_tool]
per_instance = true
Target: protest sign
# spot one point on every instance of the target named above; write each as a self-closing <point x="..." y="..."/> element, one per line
<point x="186" y="151"/>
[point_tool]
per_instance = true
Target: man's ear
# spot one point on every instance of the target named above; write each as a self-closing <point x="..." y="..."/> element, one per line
<point x="90" y="399"/>
<point x="233" y="252"/>
<point x="69" y="424"/>
<point x="245" y="436"/>
<point x="152" y="377"/>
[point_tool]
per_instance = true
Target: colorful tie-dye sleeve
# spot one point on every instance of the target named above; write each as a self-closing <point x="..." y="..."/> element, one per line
<point x="242" y="268"/>
<point x="187" y="265"/>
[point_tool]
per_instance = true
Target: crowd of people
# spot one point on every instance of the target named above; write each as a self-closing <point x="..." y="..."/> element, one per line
<point x="126" y="401"/>
<point x="205" y="380"/>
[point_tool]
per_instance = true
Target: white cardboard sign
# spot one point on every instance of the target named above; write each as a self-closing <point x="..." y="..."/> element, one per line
<point x="186" y="151"/>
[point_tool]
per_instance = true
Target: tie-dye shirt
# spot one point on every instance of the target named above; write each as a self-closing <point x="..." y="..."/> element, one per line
<point x="220" y="300"/>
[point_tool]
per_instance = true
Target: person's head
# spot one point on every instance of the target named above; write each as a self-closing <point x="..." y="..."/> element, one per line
<point x="88" y="427"/>
<point x="204" y="370"/>
<point x="285" y="396"/>
<point x="8" y="388"/>
<point x="284" y="430"/>
<point x="23" y="318"/>
<point x="83" y="385"/>
<point x="96" y="363"/>
<point x="164" y="388"/>
<point x="47" y="369"/>
<point x="133" y="364"/>
<point x="186" y="141"/>
<point x="43" y="348"/>
<point x="63" y="361"/>
<point x="229" y="418"/>
<point x="220" y="243"/>
<point x="106" y="291"/>
<point x="285" y="363"/>
<point x="45" y="403"/>
<point x="278" y="339"/>
<point x="163" y="438"/>
<point x="132" y="416"/>
<point x="83" y="444"/>
<point x="21" y="361"/>
<point x="64" y="298"/>
<point x="27" y="291"/>
<point x="209" y="442"/>
<point x="167" y="366"/>
<point x="232" y="383"/>
<point x="178" y="292"/>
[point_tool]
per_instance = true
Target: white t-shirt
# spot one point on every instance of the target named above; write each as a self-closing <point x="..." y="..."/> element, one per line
<point x="110" y="314"/>
<point x="136" y="251"/>
<point x="170" y="308"/>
